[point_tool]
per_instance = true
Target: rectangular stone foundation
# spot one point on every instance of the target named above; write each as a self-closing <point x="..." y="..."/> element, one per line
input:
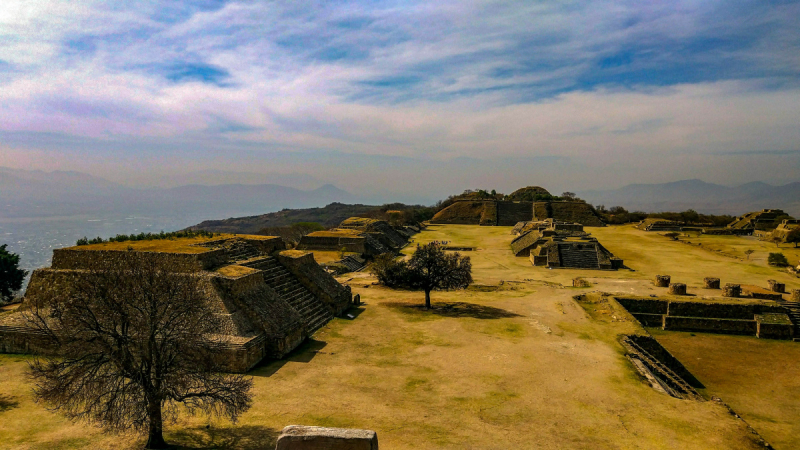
<point x="705" y="325"/>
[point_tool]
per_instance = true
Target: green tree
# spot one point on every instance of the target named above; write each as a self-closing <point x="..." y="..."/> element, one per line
<point x="135" y="341"/>
<point x="793" y="237"/>
<point x="431" y="268"/>
<point x="11" y="276"/>
<point x="777" y="259"/>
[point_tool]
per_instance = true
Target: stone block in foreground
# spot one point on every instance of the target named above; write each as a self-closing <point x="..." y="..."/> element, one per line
<point x="300" y="437"/>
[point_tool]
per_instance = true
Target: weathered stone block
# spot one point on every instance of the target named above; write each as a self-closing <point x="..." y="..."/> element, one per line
<point x="662" y="280"/>
<point x="795" y="295"/>
<point x="711" y="283"/>
<point x="300" y="437"/>
<point x="776" y="287"/>
<point x="732" y="290"/>
<point x="677" y="289"/>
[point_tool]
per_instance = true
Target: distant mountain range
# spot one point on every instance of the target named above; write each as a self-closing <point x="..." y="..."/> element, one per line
<point x="701" y="196"/>
<point x="26" y="193"/>
<point x="33" y="193"/>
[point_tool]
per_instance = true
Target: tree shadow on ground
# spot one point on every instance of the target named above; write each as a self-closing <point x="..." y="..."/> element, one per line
<point x="246" y="437"/>
<point x="453" y="309"/>
<point x="7" y="403"/>
<point x="304" y="353"/>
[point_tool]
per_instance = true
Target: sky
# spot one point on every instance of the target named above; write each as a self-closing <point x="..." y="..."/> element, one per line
<point x="414" y="99"/>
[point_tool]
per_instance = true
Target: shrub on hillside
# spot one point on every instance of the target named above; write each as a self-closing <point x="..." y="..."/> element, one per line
<point x="777" y="259"/>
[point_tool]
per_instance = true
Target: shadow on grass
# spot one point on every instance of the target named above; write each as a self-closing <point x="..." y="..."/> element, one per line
<point x="7" y="403"/>
<point x="246" y="437"/>
<point x="452" y="309"/>
<point x="354" y="311"/>
<point x="304" y="353"/>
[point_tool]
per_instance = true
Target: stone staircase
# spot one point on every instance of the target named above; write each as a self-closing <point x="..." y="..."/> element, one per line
<point x="581" y="259"/>
<point x="509" y="213"/>
<point x="671" y="382"/>
<point x="793" y="310"/>
<point x="314" y="312"/>
<point x="240" y="251"/>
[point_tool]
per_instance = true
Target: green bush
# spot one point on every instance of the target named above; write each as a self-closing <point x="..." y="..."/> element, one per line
<point x="777" y="259"/>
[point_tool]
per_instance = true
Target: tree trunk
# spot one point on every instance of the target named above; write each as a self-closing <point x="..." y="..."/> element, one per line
<point x="155" y="439"/>
<point x="427" y="299"/>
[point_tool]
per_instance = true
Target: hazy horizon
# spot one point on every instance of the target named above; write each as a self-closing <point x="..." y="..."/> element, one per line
<point x="406" y="99"/>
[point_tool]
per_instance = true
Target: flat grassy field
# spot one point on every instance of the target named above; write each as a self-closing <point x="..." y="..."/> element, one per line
<point x="512" y="362"/>
<point x="756" y="377"/>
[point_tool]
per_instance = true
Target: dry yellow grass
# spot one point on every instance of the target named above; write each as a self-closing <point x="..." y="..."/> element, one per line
<point x="178" y="245"/>
<point x="516" y="364"/>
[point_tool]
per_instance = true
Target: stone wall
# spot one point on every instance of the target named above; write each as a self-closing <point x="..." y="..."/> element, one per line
<point x="707" y="325"/>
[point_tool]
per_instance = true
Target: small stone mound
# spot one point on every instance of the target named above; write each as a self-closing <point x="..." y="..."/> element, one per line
<point x="662" y="280"/>
<point x="580" y="282"/>
<point x="711" y="283"/>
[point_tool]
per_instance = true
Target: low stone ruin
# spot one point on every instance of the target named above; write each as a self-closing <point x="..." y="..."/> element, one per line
<point x="732" y="290"/>
<point x="795" y="295"/>
<point x="652" y="224"/>
<point x="366" y="237"/>
<point x="580" y="283"/>
<point x="677" y="289"/>
<point x="268" y="299"/>
<point x="662" y="280"/>
<point x="711" y="283"/>
<point x="299" y="437"/>
<point x="562" y="245"/>
<point x="766" y="320"/>
<point x="776" y="286"/>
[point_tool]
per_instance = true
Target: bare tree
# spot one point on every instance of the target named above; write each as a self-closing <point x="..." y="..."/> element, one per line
<point x="431" y="268"/>
<point x="134" y="340"/>
<point x="749" y="252"/>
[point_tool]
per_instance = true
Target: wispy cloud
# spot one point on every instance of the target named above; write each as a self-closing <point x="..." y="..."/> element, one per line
<point x="599" y="81"/>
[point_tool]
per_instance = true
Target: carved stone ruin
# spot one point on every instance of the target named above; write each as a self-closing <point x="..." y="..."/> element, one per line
<point x="732" y="290"/>
<point x="711" y="282"/>
<point x="677" y="289"/>
<point x="357" y="300"/>
<point x="580" y="282"/>
<point x="662" y="280"/>
<point x="299" y="437"/>
<point x="774" y="286"/>
<point x="795" y="295"/>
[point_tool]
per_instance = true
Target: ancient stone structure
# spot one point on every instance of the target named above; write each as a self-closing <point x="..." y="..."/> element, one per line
<point x="776" y="286"/>
<point x="662" y="280"/>
<point x="268" y="299"/>
<point x="732" y="290"/>
<point x="767" y="320"/>
<point x="783" y="230"/>
<point x="749" y="290"/>
<point x="580" y="282"/>
<point x="677" y="289"/>
<point x="562" y="245"/>
<point x="299" y="437"/>
<point x="795" y="295"/>
<point x="532" y="203"/>
<point x="711" y="283"/>
<point x="758" y="220"/>
<point x="659" y="225"/>
<point x="367" y="237"/>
